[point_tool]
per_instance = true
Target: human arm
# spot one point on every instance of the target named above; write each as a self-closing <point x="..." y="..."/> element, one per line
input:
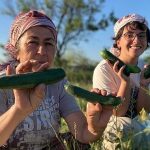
<point x="90" y="128"/>
<point x="25" y="102"/>
<point x="112" y="80"/>
<point x="10" y="120"/>
<point x="123" y="91"/>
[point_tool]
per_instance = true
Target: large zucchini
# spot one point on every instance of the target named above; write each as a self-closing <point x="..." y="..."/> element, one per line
<point x="31" y="79"/>
<point x="147" y="72"/>
<point x="112" y="59"/>
<point x="92" y="97"/>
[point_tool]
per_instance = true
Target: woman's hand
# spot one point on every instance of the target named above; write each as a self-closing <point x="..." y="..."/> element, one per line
<point x="98" y="115"/>
<point x="27" y="100"/>
<point x="120" y="73"/>
<point x="31" y="66"/>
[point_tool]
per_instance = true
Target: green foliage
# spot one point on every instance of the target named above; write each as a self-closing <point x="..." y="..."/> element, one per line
<point x="78" y="74"/>
<point x="96" y="145"/>
<point x="78" y="67"/>
<point x="147" y="59"/>
<point x="74" y="25"/>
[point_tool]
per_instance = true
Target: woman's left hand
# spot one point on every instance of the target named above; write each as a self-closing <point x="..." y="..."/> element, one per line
<point x="98" y="115"/>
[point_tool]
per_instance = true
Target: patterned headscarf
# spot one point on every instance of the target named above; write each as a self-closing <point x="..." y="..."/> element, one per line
<point x="126" y="19"/>
<point x="22" y="23"/>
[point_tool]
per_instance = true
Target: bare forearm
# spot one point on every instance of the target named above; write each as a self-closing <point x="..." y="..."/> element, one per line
<point x="124" y="93"/>
<point x="81" y="130"/>
<point x="8" y="122"/>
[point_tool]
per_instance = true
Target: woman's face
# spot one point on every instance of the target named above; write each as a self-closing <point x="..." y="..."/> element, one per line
<point x="38" y="44"/>
<point x="132" y="43"/>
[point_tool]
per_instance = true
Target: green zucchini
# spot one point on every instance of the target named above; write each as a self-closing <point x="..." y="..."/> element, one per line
<point x="92" y="97"/>
<point x="147" y="72"/>
<point x="31" y="79"/>
<point x="112" y="59"/>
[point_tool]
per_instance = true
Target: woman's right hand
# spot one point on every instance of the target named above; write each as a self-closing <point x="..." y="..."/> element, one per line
<point x="123" y="91"/>
<point x="120" y="73"/>
<point x="27" y="100"/>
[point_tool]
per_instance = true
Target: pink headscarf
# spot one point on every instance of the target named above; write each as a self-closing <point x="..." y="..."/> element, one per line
<point x="129" y="18"/>
<point x="22" y="23"/>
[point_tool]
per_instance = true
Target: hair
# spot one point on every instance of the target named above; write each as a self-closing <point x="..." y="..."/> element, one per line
<point x="133" y="26"/>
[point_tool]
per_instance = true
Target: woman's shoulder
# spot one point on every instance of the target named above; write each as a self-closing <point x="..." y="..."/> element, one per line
<point x="103" y="65"/>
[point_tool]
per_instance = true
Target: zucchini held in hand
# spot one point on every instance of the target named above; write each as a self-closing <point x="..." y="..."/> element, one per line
<point x="112" y="59"/>
<point x="92" y="97"/>
<point x="31" y="79"/>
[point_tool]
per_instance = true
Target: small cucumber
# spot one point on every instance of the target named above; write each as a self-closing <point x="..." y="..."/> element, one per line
<point x="31" y="79"/>
<point x="147" y="72"/>
<point x="112" y="59"/>
<point x="92" y="97"/>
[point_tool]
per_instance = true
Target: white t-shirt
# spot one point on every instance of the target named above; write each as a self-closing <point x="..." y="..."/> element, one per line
<point x="105" y="78"/>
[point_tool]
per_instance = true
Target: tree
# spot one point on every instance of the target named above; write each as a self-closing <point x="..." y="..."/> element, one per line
<point x="73" y="18"/>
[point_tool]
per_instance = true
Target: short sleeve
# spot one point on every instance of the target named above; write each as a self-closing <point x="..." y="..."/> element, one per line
<point x="105" y="78"/>
<point x="68" y="103"/>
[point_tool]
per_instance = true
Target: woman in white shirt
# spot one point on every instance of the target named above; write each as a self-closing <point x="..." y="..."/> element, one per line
<point x="132" y="36"/>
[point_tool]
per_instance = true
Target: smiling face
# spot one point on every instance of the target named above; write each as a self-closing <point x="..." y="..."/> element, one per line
<point x="132" y="44"/>
<point x="37" y="43"/>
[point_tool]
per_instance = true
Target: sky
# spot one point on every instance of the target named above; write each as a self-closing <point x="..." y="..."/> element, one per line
<point x="97" y="40"/>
